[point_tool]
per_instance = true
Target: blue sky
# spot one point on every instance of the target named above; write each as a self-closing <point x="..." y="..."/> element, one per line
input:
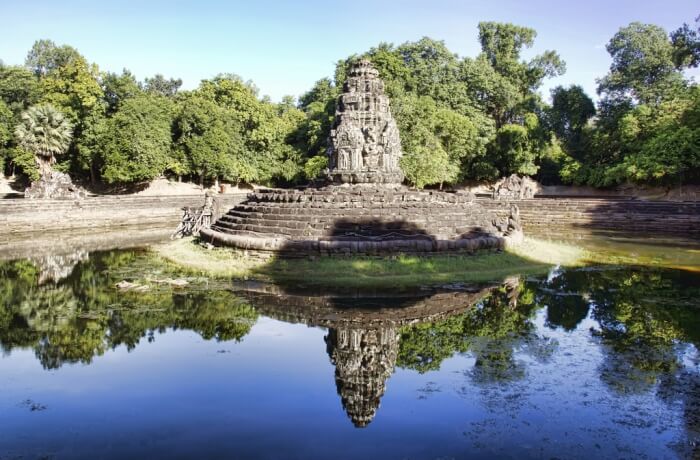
<point x="284" y="47"/>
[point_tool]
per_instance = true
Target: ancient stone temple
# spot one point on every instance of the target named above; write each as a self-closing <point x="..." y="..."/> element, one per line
<point x="364" y="209"/>
<point x="364" y="143"/>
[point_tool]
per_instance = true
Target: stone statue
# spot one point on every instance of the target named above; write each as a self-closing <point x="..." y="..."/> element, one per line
<point x="364" y="144"/>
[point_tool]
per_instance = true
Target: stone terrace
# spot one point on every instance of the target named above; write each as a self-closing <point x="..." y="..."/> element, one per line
<point x="358" y="219"/>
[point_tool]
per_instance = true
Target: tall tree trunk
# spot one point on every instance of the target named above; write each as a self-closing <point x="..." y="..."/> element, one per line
<point x="93" y="176"/>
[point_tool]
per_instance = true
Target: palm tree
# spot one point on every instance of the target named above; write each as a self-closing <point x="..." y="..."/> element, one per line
<point x="45" y="132"/>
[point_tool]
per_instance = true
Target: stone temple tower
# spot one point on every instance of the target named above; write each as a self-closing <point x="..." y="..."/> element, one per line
<point x="364" y="142"/>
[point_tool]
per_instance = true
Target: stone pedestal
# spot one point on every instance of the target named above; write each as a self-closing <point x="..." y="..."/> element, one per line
<point x="55" y="185"/>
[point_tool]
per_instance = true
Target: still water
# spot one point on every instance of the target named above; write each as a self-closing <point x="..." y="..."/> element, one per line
<point x="596" y="362"/>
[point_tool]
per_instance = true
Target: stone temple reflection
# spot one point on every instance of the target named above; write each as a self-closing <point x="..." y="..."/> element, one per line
<point x="364" y="359"/>
<point x="363" y="336"/>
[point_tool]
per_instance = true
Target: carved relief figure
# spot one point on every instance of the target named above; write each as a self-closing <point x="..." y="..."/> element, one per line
<point x="343" y="159"/>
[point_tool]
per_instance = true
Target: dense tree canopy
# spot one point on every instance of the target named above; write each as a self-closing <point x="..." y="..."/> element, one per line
<point x="137" y="140"/>
<point x="461" y="118"/>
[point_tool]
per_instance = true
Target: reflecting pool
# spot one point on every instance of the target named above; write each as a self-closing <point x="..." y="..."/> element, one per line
<point x="598" y="361"/>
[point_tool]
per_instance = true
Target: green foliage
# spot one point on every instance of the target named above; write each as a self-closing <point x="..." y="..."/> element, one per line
<point x="568" y="116"/>
<point x="263" y="128"/>
<point x="314" y="167"/>
<point x="45" y="132"/>
<point x="211" y="140"/>
<point x="642" y="67"/>
<point x="75" y="319"/>
<point x="73" y="87"/>
<point x="117" y="88"/>
<point x="513" y="151"/>
<point x="24" y="162"/>
<point x="491" y="330"/>
<point x="161" y="86"/>
<point x="6" y="124"/>
<point x="645" y="130"/>
<point x="18" y="89"/>
<point x="428" y="163"/>
<point x="460" y="118"/>
<point x="137" y="140"/>
<point x="663" y="143"/>
<point x="449" y="109"/>
<point x="318" y="105"/>
<point x="686" y="45"/>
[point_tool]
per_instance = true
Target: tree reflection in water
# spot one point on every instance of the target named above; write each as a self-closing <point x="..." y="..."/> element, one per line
<point x="81" y="316"/>
<point x="645" y="322"/>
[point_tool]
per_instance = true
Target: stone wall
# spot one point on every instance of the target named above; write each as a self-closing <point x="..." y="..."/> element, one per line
<point x="35" y="217"/>
<point x="28" y="218"/>
<point x="558" y="215"/>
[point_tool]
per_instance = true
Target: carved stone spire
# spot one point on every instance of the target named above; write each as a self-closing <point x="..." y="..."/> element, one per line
<point x="363" y="359"/>
<point x="364" y="143"/>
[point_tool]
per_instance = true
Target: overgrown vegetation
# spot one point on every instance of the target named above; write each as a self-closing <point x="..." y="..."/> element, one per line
<point x="461" y="118"/>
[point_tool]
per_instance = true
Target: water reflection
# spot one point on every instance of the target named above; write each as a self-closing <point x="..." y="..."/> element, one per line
<point x="80" y="314"/>
<point x="370" y="332"/>
<point x="642" y="327"/>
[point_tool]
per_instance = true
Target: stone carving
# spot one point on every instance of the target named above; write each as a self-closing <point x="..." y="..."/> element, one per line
<point x="364" y="143"/>
<point x="514" y="187"/>
<point x="510" y="225"/>
<point x="364" y="359"/>
<point x="195" y="219"/>
<point x="54" y="185"/>
<point x="365" y="210"/>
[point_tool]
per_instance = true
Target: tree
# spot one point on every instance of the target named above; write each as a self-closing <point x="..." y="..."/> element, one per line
<point x="686" y="45"/>
<point x="502" y="43"/>
<point x="5" y="132"/>
<point x="265" y="128"/>
<point x="161" y="86"/>
<point x="425" y="160"/>
<point x="137" y="140"/>
<point x="512" y="152"/>
<point x="210" y="138"/>
<point x="5" y="124"/>
<point x="18" y="89"/>
<point x="318" y="105"/>
<point x="45" y="57"/>
<point x="571" y="111"/>
<point x="643" y="68"/>
<point x="429" y="69"/>
<point x="74" y="88"/>
<point x="119" y="87"/>
<point x="45" y="132"/>
<point x="662" y="143"/>
<point x="314" y="167"/>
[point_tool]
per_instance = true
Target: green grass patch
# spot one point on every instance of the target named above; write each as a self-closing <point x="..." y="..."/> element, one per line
<point x="531" y="257"/>
<point x="392" y="271"/>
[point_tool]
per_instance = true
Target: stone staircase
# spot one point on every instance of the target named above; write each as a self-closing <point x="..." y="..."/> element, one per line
<point x="356" y="219"/>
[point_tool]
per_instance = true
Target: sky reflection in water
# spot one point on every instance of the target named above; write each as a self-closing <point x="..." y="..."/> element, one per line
<point x="584" y="362"/>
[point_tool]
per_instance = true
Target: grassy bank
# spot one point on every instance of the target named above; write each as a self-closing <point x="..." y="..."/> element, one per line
<point x="530" y="258"/>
